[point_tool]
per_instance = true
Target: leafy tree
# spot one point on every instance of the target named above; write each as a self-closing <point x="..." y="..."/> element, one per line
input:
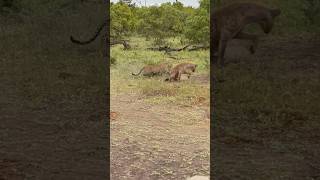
<point x="128" y="2"/>
<point x="165" y="21"/>
<point x="122" y="20"/>
<point x="197" y="26"/>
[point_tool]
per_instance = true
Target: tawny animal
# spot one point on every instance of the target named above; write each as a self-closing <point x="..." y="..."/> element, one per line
<point x="151" y="70"/>
<point x="178" y="70"/>
<point x="228" y="23"/>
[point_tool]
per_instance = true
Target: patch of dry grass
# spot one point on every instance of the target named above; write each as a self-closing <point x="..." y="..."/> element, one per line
<point x="155" y="89"/>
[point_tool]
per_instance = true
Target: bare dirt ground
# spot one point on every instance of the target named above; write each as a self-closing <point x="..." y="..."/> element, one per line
<point x="158" y="141"/>
<point x="246" y="146"/>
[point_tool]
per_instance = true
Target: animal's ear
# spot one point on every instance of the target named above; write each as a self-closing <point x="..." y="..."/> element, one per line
<point x="275" y="12"/>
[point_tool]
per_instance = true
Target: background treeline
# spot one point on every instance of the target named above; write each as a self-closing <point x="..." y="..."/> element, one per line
<point x="173" y="19"/>
<point x="160" y="23"/>
<point x="297" y="15"/>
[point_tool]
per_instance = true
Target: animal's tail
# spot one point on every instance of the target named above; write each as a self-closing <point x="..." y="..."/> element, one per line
<point x="138" y="73"/>
<point x="91" y="39"/>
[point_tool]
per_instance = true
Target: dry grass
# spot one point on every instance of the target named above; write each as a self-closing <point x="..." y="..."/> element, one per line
<point x="155" y="89"/>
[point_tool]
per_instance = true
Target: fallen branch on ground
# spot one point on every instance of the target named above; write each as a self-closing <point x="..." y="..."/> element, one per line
<point x="125" y="44"/>
<point x="167" y="49"/>
<point x="198" y="47"/>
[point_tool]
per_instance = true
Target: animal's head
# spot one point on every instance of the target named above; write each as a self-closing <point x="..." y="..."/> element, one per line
<point x="268" y="21"/>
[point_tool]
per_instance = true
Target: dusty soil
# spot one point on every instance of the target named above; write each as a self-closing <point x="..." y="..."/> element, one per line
<point x="253" y="150"/>
<point x="158" y="141"/>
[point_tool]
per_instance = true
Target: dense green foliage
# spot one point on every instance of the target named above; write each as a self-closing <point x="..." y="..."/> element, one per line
<point x="197" y="26"/>
<point x="122" y="19"/>
<point x="192" y="24"/>
<point x="161" y="22"/>
<point x="174" y="19"/>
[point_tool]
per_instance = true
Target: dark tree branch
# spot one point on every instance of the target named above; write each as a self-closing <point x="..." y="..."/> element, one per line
<point x="125" y="44"/>
<point x="198" y="47"/>
<point x="167" y="49"/>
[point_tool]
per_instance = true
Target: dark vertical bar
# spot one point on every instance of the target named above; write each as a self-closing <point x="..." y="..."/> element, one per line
<point x="212" y="96"/>
<point x="107" y="85"/>
<point x="49" y="129"/>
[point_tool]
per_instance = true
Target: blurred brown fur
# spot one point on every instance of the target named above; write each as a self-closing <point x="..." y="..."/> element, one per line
<point x="229" y="21"/>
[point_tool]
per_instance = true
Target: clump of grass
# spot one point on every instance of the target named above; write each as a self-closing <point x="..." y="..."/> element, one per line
<point x="192" y="94"/>
<point x="183" y="93"/>
<point x="113" y="61"/>
<point x="156" y="88"/>
<point x="152" y="61"/>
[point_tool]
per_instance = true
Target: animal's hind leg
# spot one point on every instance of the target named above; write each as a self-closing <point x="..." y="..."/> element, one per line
<point x="189" y="74"/>
<point x="175" y="77"/>
<point x="179" y="76"/>
<point x="251" y="37"/>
